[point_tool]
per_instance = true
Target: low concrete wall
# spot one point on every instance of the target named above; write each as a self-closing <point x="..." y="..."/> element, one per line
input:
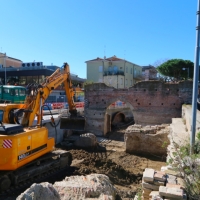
<point x="55" y="132"/>
<point x="148" y="140"/>
<point x="187" y="117"/>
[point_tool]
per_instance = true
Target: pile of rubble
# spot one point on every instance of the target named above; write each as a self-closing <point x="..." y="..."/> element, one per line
<point x="162" y="185"/>
<point x="95" y="186"/>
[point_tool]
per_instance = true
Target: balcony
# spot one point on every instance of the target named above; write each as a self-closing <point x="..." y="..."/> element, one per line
<point x="113" y="72"/>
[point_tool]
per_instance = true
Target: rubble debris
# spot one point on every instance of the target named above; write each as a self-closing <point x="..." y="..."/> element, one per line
<point x="95" y="186"/>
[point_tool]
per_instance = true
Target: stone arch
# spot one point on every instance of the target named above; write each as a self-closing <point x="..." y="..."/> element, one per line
<point x="121" y="115"/>
<point x="151" y="102"/>
<point x="117" y="118"/>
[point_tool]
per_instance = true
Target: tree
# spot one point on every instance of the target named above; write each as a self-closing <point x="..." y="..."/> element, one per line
<point x="177" y="68"/>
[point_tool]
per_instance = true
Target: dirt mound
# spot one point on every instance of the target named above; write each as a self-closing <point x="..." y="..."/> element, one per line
<point x="124" y="170"/>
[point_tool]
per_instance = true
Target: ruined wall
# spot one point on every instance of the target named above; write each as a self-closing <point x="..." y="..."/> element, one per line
<point x="147" y="140"/>
<point x="151" y="102"/>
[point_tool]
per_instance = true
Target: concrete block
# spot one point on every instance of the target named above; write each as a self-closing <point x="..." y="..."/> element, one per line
<point x="171" y="193"/>
<point x="148" y="175"/>
<point x="150" y="186"/>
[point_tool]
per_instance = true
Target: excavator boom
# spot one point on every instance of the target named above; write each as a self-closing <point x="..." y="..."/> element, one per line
<point x="38" y="94"/>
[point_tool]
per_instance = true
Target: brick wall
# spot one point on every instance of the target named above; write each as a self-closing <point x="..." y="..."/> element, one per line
<point x="151" y="102"/>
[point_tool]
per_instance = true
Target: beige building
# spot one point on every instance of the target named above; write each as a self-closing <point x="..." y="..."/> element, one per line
<point x="149" y="73"/>
<point x="6" y="61"/>
<point x="113" y="71"/>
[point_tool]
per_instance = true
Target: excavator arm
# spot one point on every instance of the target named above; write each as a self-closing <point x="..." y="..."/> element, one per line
<point x="38" y="94"/>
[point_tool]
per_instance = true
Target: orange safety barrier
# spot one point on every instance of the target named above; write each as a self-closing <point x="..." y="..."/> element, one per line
<point x="79" y="104"/>
<point x="62" y="105"/>
<point x="58" y="105"/>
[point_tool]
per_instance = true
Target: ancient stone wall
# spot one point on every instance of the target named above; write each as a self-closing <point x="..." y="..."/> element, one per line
<point x="151" y="102"/>
<point x="147" y="140"/>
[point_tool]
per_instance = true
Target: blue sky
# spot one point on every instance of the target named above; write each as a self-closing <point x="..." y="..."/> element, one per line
<point x="55" y="31"/>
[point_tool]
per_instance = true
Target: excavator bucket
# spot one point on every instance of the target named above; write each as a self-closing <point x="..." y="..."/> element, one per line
<point x="72" y="123"/>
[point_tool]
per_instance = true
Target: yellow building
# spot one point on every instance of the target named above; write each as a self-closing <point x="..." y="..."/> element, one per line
<point x="113" y="71"/>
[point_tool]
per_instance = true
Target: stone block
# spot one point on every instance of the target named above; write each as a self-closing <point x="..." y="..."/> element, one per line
<point x="154" y="195"/>
<point x="150" y="186"/>
<point x="171" y="179"/>
<point x="148" y="175"/>
<point x="171" y="193"/>
<point x="160" y="176"/>
<point x="161" y="172"/>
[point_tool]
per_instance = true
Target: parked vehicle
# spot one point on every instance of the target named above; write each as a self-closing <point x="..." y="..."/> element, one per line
<point x="12" y="94"/>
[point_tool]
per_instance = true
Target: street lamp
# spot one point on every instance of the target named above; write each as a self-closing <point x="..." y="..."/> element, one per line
<point x="187" y="71"/>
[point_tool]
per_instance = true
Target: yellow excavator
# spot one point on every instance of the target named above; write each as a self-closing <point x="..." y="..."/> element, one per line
<point x="26" y="150"/>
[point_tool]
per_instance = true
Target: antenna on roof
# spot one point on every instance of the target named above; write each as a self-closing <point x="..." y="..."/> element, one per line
<point x="104" y="51"/>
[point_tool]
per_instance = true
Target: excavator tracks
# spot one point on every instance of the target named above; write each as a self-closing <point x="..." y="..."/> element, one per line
<point x="46" y="166"/>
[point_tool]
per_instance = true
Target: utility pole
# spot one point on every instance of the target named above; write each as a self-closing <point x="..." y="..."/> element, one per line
<point x="195" y="84"/>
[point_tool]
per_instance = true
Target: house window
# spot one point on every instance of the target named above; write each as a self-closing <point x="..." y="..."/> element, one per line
<point x="131" y="70"/>
<point x="126" y="82"/>
<point x="126" y="69"/>
<point x="115" y="69"/>
<point x="121" y="81"/>
<point x="100" y="68"/>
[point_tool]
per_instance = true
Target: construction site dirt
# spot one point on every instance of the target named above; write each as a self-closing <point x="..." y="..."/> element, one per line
<point x="123" y="169"/>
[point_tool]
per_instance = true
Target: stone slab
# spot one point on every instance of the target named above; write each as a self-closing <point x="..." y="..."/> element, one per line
<point x="171" y="179"/>
<point x="175" y="193"/>
<point x="150" y="186"/>
<point x="148" y="175"/>
<point x="159" y="177"/>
